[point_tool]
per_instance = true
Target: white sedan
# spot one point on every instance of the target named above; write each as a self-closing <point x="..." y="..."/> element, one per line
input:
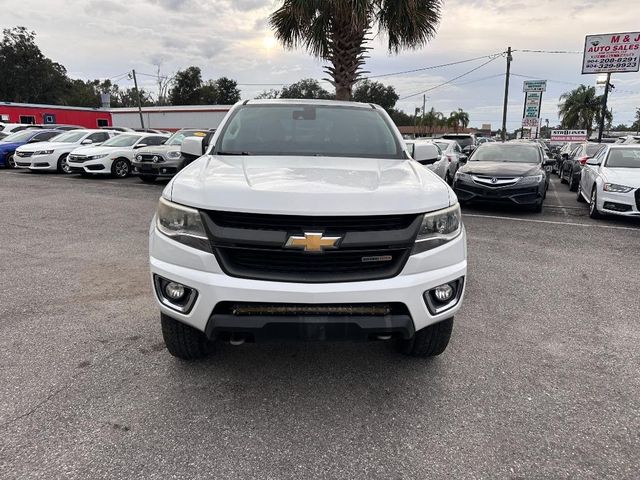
<point x="610" y="181"/>
<point x="114" y="156"/>
<point x="52" y="155"/>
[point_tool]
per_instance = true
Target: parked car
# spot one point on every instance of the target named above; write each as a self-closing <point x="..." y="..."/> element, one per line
<point x="562" y="155"/>
<point x="151" y="130"/>
<point x="454" y="154"/>
<point x="166" y="160"/>
<point x="632" y="140"/>
<point x="428" y="154"/>
<point x="15" y="127"/>
<point x="118" y="129"/>
<point x="610" y="181"/>
<point x="2" y="135"/>
<point x="114" y="156"/>
<point x="9" y="144"/>
<point x="512" y="173"/>
<point x="571" y="167"/>
<point x="52" y="155"/>
<point x="467" y="141"/>
<point x="307" y="219"/>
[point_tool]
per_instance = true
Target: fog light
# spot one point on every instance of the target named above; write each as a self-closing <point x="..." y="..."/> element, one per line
<point x="443" y="292"/>
<point x="174" y="291"/>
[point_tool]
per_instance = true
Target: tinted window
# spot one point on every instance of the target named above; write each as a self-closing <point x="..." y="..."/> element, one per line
<point x="518" y="153"/>
<point x="23" y="136"/>
<point x="463" y="141"/>
<point x="624" y="158"/>
<point x="42" y="137"/>
<point x="329" y="130"/>
<point x="592" y="149"/>
<point x="98" y="137"/>
<point x="153" y="140"/>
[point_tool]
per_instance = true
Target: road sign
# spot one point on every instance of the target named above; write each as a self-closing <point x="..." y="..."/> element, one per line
<point x="568" y="135"/>
<point x="611" y="52"/>
<point x="531" y="122"/>
<point x="534" y="86"/>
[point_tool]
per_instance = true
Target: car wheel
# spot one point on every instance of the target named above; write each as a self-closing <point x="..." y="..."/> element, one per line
<point x="63" y="166"/>
<point x="9" y="162"/>
<point x="573" y="185"/>
<point x="562" y="180"/>
<point x="429" y="341"/>
<point x="120" y="168"/>
<point x="183" y="341"/>
<point x="593" y="204"/>
<point x="148" y="178"/>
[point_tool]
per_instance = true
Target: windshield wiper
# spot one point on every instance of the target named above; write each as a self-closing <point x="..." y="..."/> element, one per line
<point x="232" y="153"/>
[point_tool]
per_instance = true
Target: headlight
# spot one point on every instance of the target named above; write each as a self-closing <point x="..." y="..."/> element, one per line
<point x="462" y="176"/>
<point x="615" y="188"/>
<point x="529" y="180"/>
<point x="96" y="157"/>
<point x="138" y="157"/>
<point x="182" y="224"/>
<point x="173" y="154"/>
<point x="43" y="152"/>
<point x="438" y="228"/>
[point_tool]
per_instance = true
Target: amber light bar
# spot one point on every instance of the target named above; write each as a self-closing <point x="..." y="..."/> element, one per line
<point x="258" y="309"/>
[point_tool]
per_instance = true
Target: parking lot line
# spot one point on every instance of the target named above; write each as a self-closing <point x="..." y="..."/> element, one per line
<point x="531" y="220"/>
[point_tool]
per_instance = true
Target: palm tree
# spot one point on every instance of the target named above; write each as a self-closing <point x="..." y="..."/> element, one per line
<point x="458" y="119"/>
<point x="337" y="31"/>
<point x="463" y="118"/>
<point x="581" y="108"/>
<point x="432" y="119"/>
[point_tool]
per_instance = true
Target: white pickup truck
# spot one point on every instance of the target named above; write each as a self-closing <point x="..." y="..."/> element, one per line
<point x="307" y="220"/>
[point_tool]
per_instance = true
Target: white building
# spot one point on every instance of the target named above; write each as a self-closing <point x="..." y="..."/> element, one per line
<point x="170" y="117"/>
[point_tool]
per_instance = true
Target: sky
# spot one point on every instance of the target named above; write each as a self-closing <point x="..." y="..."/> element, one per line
<point x="107" y="38"/>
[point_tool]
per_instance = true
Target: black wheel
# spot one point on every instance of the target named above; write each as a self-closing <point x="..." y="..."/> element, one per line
<point x="63" y="166"/>
<point x="573" y="184"/>
<point x="183" y="341"/>
<point x="148" y="178"/>
<point x="9" y="162"/>
<point x="593" y="204"/>
<point x="120" y="168"/>
<point x="429" y="341"/>
<point x="579" y="196"/>
<point x="562" y="180"/>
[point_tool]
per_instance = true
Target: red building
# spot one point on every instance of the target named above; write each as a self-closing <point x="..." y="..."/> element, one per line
<point x="51" y="114"/>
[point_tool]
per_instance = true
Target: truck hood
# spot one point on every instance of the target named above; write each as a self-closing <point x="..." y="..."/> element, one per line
<point x="35" y="147"/>
<point x="309" y="186"/>
<point x="159" y="149"/>
<point x="500" y="169"/>
<point x="622" y="176"/>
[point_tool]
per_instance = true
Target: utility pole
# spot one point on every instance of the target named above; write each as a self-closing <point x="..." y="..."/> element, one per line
<point x="604" y="107"/>
<point x="135" y="82"/>
<point x="506" y="95"/>
<point x="424" y="106"/>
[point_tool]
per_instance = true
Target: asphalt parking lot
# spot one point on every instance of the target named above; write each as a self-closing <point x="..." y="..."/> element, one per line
<point x="541" y="379"/>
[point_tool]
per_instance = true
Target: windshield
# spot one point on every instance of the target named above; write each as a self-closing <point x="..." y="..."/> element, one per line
<point x="23" y="136"/>
<point x="319" y="130"/>
<point x="624" y="158"/>
<point x="592" y="149"/>
<point x="121" y="141"/>
<point x="71" y="137"/>
<point x="178" y="137"/>
<point x="463" y="140"/>
<point x="443" y="145"/>
<point x="517" y="153"/>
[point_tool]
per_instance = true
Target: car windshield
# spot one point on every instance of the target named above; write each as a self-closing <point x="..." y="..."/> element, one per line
<point x="443" y="145"/>
<point x="517" y="153"/>
<point x="463" y="140"/>
<point x="178" y="137"/>
<point x="121" y="141"/>
<point x="23" y="136"/>
<point x="624" y="158"/>
<point x="318" y="130"/>
<point x="592" y="149"/>
<point x="71" y="137"/>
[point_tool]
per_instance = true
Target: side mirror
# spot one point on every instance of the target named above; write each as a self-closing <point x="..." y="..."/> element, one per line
<point x="87" y="141"/>
<point x="192" y="147"/>
<point x="548" y="162"/>
<point x="564" y="156"/>
<point x="425" y="153"/>
<point x="463" y="158"/>
<point x="140" y="145"/>
<point x="593" y="162"/>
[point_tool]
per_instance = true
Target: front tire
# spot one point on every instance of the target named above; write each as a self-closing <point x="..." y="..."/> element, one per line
<point x="429" y="341"/>
<point x="183" y="341"/>
<point x="593" y="205"/>
<point x="573" y="185"/>
<point x="9" y="162"/>
<point x="562" y="180"/>
<point x="63" y="166"/>
<point x="120" y="168"/>
<point x="579" y="196"/>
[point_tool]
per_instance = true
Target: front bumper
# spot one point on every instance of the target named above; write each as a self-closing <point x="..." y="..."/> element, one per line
<point x="98" y="166"/>
<point x="470" y="191"/>
<point x="623" y="204"/>
<point x="41" y="162"/>
<point x="167" y="168"/>
<point x="199" y="270"/>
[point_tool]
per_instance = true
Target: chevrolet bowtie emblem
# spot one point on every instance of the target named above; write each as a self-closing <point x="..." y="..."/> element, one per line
<point x="312" y="242"/>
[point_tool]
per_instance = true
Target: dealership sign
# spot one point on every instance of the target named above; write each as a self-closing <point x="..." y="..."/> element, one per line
<point x="611" y="52"/>
<point x="534" y="86"/>
<point x="568" y="135"/>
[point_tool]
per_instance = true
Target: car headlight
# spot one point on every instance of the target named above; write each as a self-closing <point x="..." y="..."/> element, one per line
<point x="530" y="179"/>
<point x="138" y="157"/>
<point x="96" y="157"/>
<point x="173" y="154"/>
<point x="43" y="152"/>
<point x="182" y="224"/>
<point x="615" y="188"/>
<point x="462" y="176"/>
<point x="438" y="228"/>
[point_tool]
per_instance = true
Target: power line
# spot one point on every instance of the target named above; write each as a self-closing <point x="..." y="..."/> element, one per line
<point x="524" y="50"/>
<point x="452" y="79"/>
<point x="432" y="67"/>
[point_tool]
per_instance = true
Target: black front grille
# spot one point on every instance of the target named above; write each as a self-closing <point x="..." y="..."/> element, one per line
<point x="253" y="246"/>
<point x="77" y="158"/>
<point x="638" y="199"/>
<point x="148" y="157"/>
<point x="24" y="154"/>
<point x="327" y="224"/>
